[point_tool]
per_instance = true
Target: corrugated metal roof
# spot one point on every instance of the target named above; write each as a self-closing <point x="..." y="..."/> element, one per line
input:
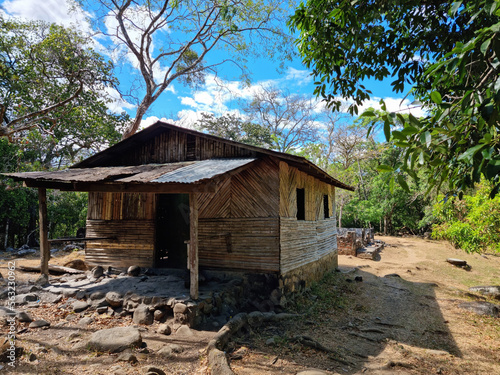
<point x="203" y="170"/>
<point x="182" y="172"/>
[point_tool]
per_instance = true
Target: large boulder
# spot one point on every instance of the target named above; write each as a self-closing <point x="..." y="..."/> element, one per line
<point x="115" y="340"/>
<point x="143" y="315"/>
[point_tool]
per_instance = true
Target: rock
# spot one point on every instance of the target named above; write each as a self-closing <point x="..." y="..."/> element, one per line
<point x="24" y="317"/>
<point x="39" y="324"/>
<point x="6" y="312"/>
<point x="97" y="295"/>
<point x="134" y="271"/>
<point x="127" y="356"/>
<point x="153" y="370"/>
<point x="77" y="264"/>
<point x="114" y="299"/>
<point x="312" y="372"/>
<point x="32" y="357"/>
<point x="96" y="272"/>
<point x="180" y="308"/>
<point x="492" y="290"/>
<point x="166" y="351"/>
<point x="184" y="330"/>
<point x="85" y="321"/>
<point x="42" y="280"/>
<point x="271" y="341"/>
<point x="142" y="315"/>
<point x="115" y="339"/>
<point x="159" y="315"/>
<point x="23" y="299"/>
<point x="457" y="262"/>
<point x="69" y="292"/>
<point x="358" y="279"/>
<point x="51" y="298"/>
<point x="481" y="308"/>
<point x="102" y="309"/>
<point x="176" y="348"/>
<point x="393" y="275"/>
<point x="100" y="303"/>
<point x="164" y="329"/>
<point x="81" y="294"/>
<point x="79" y="306"/>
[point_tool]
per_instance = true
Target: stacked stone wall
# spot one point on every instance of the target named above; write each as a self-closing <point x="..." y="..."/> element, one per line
<point x="298" y="279"/>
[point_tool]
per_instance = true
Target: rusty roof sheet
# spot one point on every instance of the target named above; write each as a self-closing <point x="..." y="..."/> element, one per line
<point x="203" y="170"/>
<point x="182" y="172"/>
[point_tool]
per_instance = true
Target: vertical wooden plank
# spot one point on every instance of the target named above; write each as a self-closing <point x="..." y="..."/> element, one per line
<point x="44" y="239"/>
<point x="193" y="245"/>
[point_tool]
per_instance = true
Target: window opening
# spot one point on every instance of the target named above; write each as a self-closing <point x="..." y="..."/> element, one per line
<point x="326" y="207"/>
<point x="301" y="204"/>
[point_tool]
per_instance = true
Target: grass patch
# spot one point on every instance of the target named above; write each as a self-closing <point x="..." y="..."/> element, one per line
<point x="331" y="293"/>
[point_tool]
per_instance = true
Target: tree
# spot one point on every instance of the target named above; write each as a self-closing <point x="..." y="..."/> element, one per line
<point x="175" y="40"/>
<point x="231" y="127"/>
<point x="49" y="75"/>
<point x="446" y="52"/>
<point x="290" y="118"/>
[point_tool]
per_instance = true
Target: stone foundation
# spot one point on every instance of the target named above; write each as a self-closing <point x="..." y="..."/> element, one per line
<point x="302" y="277"/>
<point x="351" y="240"/>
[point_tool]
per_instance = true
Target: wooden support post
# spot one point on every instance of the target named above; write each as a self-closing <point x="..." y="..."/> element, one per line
<point x="193" y="245"/>
<point x="44" y="239"/>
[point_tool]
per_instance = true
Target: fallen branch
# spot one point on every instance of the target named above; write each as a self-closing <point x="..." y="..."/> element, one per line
<point x="52" y="269"/>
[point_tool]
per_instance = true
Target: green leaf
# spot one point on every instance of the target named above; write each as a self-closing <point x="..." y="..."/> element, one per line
<point x="384" y="168"/>
<point x="436" y="97"/>
<point x="403" y="183"/>
<point x="387" y="130"/>
<point x="409" y="130"/>
<point x="485" y="46"/>
<point x="391" y="185"/>
<point x="470" y="152"/>
<point x="454" y="8"/>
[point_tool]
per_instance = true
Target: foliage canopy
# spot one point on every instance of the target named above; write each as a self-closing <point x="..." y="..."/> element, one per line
<point x="447" y="52"/>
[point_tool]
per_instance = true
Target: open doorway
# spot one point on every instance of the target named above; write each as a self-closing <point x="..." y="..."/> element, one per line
<point x="172" y="229"/>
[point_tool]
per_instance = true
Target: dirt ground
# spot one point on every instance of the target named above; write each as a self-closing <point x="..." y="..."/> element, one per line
<point x="388" y="325"/>
<point x="406" y="323"/>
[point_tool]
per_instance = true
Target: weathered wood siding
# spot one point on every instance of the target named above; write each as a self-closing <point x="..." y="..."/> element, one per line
<point x="128" y="220"/>
<point x="174" y="146"/>
<point x="309" y="240"/>
<point x="292" y="179"/>
<point x="239" y="225"/>
<point x="303" y="242"/>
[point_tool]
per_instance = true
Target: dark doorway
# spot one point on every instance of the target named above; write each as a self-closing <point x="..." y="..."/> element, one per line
<point x="172" y="229"/>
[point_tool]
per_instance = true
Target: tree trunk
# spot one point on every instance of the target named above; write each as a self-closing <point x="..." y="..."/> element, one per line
<point x="340" y="216"/>
<point x="6" y="242"/>
<point x="44" y="239"/>
<point x="141" y="111"/>
<point x="385" y="225"/>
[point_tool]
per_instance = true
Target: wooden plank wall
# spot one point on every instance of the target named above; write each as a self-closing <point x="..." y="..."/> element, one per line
<point x="130" y="218"/>
<point x="239" y="225"/>
<point x="121" y="206"/>
<point x="134" y="244"/>
<point x="174" y="146"/>
<point x="292" y="179"/>
<point x="304" y="241"/>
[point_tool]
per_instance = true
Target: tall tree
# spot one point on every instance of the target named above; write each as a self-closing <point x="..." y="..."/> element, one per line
<point x="291" y="118"/>
<point x="232" y="127"/>
<point x="47" y="74"/>
<point x="446" y="52"/>
<point x="175" y="40"/>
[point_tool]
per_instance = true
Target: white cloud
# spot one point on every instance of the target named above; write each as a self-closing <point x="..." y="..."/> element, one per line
<point x="399" y="105"/>
<point x="54" y="11"/>
<point x="118" y="104"/>
<point x="300" y="77"/>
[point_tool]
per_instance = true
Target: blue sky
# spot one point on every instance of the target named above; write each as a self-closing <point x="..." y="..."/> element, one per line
<point x="185" y="103"/>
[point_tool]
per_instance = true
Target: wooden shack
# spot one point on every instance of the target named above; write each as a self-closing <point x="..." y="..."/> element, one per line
<point x="177" y="198"/>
